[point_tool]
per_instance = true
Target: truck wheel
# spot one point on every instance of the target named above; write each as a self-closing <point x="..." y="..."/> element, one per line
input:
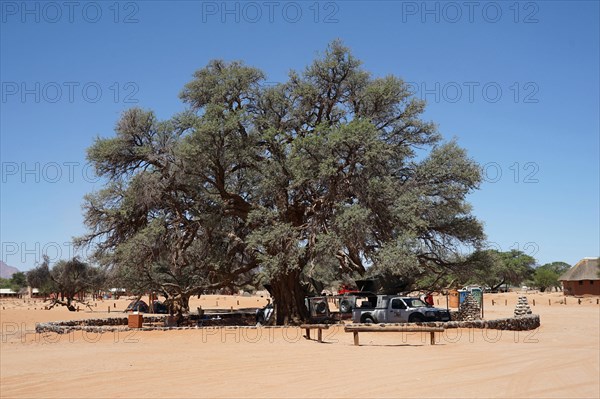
<point x="345" y="306"/>
<point x="369" y="320"/>
<point x="321" y="307"/>
<point x="416" y="318"/>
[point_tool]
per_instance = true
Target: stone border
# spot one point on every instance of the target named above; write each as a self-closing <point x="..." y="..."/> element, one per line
<point x="529" y="322"/>
<point x="523" y="323"/>
<point x="93" y="325"/>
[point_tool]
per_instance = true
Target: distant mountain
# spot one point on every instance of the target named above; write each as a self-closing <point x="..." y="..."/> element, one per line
<point x="7" y="271"/>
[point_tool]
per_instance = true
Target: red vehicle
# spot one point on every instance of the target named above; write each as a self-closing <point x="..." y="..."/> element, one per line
<point x="345" y="289"/>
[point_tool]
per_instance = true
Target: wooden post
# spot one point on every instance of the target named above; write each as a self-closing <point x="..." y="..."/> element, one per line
<point x="505" y="302"/>
<point x="109" y="309"/>
<point x="482" y="301"/>
<point x="549" y="303"/>
<point x="493" y="302"/>
<point x="432" y="338"/>
<point x="579" y="301"/>
<point x="320" y="335"/>
<point x="533" y="302"/>
<point x="308" y="333"/>
<point x="355" y="333"/>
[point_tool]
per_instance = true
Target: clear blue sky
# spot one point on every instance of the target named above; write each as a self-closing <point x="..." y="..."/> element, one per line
<point x="517" y="84"/>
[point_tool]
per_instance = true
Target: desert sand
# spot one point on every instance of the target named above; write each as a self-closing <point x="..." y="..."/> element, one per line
<point x="561" y="359"/>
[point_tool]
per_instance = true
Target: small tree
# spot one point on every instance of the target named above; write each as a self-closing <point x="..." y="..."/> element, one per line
<point x="66" y="280"/>
<point x="39" y="277"/>
<point x="494" y="268"/>
<point x="18" y="280"/>
<point x="546" y="276"/>
<point x="544" y="279"/>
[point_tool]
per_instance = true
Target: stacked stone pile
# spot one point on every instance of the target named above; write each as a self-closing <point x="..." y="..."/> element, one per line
<point x="522" y="308"/>
<point x="469" y="310"/>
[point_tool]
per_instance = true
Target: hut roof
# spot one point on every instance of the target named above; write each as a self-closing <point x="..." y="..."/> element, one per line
<point x="585" y="269"/>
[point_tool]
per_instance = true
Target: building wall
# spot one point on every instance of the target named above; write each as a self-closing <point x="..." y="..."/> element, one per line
<point x="583" y="287"/>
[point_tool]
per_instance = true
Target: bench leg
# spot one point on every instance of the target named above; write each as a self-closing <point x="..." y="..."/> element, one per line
<point x="355" y="337"/>
<point x="320" y="335"/>
<point x="308" y="333"/>
<point x="432" y="338"/>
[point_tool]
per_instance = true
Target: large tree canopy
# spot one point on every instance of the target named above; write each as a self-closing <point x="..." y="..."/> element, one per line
<point x="333" y="170"/>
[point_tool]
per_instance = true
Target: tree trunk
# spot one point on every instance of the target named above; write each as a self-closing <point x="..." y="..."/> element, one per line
<point x="184" y="303"/>
<point x="67" y="303"/>
<point x="288" y="296"/>
<point x="70" y="305"/>
<point x="178" y="304"/>
<point x="495" y="287"/>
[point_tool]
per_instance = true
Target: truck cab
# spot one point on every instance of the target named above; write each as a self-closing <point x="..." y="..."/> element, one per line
<point x="397" y="309"/>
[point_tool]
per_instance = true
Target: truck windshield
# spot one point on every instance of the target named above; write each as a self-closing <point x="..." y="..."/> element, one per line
<point x="414" y="302"/>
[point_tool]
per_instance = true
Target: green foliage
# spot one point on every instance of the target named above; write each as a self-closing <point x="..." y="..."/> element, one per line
<point x="328" y="175"/>
<point x="546" y="276"/>
<point x="65" y="279"/>
<point x="6" y="283"/>
<point x="556" y="267"/>
<point x="19" y="279"/>
<point x="494" y="269"/>
<point x="15" y="282"/>
<point x="39" y="277"/>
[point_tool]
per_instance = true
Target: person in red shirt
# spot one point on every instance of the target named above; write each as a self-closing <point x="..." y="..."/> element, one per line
<point x="429" y="299"/>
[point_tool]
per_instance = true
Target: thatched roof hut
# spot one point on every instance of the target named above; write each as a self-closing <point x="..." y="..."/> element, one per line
<point x="583" y="278"/>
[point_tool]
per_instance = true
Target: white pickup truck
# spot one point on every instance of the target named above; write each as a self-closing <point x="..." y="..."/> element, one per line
<point x="396" y="309"/>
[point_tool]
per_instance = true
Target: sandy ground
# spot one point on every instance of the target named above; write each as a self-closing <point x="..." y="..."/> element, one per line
<point x="561" y="359"/>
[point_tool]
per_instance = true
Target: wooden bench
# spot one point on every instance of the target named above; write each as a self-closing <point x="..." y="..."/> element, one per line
<point x="356" y="328"/>
<point x="319" y="327"/>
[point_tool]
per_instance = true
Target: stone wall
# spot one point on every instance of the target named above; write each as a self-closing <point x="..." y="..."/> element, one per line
<point x="523" y="323"/>
<point x="529" y="322"/>
<point x="95" y="325"/>
<point x="150" y="323"/>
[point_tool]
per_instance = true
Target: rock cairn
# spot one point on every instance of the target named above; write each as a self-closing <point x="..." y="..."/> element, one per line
<point x="469" y="310"/>
<point x="522" y="308"/>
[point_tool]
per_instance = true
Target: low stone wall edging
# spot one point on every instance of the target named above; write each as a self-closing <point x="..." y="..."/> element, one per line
<point x="529" y="322"/>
